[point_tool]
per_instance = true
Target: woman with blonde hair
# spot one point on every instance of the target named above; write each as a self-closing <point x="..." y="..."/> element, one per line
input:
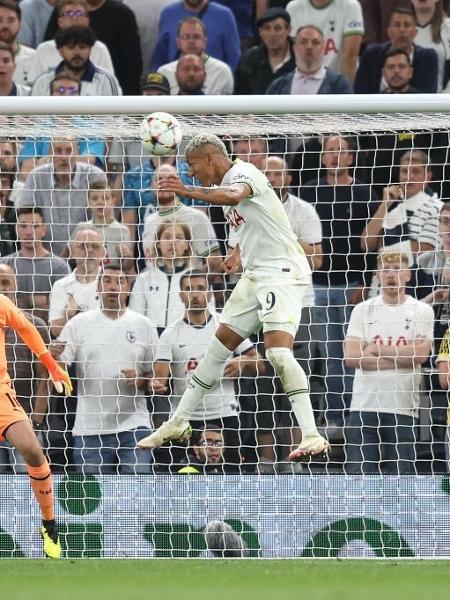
<point x="156" y="291"/>
<point x="433" y="31"/>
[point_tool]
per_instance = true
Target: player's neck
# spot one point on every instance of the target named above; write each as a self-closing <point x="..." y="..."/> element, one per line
<point x="83" y="276"/>
<point x="6" y="89"/>
<point x="172" y="265"/>
<point x="168" y="206"/>
<point x="114" y="313"/>
<point x="336" y="177"/>
<point x="424" y="15"/>
<point x="35" y="251"/>
<point x="321" y="3"/>
<point x="276" y="55"/>
<point x="199" y="318"/>
<point x="394" y="296"/>
<point x="223" y="166"/>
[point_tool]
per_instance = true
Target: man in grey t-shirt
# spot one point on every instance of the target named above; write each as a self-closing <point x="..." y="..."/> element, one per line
<point x="60" y="188"/>
<point x="35" y="267"/>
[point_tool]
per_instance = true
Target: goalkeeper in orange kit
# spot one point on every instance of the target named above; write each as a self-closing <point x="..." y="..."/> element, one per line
<point x="15" y="425"/>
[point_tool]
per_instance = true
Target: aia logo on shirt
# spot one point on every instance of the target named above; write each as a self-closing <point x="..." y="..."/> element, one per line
<point x="234" y="219"/>
<point x="131" y="337"/>
<point x="389" y="341"/>
<point x="330" y="46"/>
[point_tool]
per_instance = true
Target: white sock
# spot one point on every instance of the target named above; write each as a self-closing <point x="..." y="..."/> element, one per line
<point x="295" y="384"/>
<point x="208" y="372"/>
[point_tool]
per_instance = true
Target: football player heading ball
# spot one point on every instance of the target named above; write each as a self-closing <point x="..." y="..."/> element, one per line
<point x="268" y="295"/>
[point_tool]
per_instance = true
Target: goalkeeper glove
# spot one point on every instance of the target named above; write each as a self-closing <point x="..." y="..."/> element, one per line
<point x="58" y="375"/>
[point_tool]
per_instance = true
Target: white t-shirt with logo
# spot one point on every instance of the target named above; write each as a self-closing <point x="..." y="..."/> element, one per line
<point x="389" y="390"/>
<point x="267" y="243"/>
<point x="85" y="296"/>
<point x="337" y="20"/>
<point x="101" y="348"/>
<point x="183" y="345"/>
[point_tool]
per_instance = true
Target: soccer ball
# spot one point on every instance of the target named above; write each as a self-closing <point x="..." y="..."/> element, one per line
<point x="160" y="134"/>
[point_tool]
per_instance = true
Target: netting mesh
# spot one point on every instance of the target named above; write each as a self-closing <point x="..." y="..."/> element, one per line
<point x="127" y="126"/>
<point x="384" y="409"/>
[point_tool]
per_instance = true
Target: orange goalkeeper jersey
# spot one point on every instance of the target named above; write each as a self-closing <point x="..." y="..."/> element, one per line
<point x="11" y="316"/>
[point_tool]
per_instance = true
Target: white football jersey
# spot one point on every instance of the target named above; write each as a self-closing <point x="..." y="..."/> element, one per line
<point x="390" y="390"/>
<point x="183" y="345"/>
<point x="101" y="348"/>
<point x="266" y="240"/>
<point x="336" y="20"/>
<point x="85" y="296"/>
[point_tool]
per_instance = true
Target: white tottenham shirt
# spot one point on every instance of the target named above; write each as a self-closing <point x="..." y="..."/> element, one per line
<point x="183" y="345"/>
<point x="101" y="348"/>
<point x="306" y="225"/>
<point x="267" y="243"/>
<point x="85" y="296"/>
<point x="389" y="390"/>
<point x="337" y="20"/>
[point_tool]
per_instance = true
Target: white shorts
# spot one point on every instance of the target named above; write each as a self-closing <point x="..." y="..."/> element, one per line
<point x="273" y="304"/>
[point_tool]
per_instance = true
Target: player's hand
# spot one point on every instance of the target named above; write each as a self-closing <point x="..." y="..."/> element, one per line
<point x="393" y="193"/>
<point x="59" y="376"/>
<point x="439" y="296"/>
<point x="132" y="377"/>
<point x="232" y="263"/>
<point x="72" y="307"/>
<point x="172" y="183"/>
<point x="372" y="350"/>
<point x="61" y="380"/>
<point x="358" y="295"/>
<point x="37" y="420"/>
<point x="56" y="348"/>
<point x="233" y="368"/>
<point x="157" y="386"/>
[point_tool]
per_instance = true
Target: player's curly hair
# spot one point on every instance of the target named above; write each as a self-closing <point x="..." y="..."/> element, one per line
<point x="206" y="139"/>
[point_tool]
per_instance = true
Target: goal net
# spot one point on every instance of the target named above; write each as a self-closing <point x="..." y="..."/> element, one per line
<point x="127" y="284"/>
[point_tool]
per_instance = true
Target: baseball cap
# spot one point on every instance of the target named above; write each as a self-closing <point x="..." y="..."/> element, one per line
<point x="274" y="13"/>
<point x="158" y="81"/>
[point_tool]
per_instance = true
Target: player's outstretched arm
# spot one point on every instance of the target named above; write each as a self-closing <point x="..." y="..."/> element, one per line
<point x="228" y="195"/>
<point x="15" y="319"/>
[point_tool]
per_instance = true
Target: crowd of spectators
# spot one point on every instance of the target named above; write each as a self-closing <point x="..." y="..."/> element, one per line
<point x="127" y="280"/>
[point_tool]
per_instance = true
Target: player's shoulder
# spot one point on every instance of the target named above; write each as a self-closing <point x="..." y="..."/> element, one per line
<point x="350" y="4"/>
<point x="241" y="170"/>
<point x="172" y="334"/>
<point x="367" y="305"/>
<point x="420" y="307"/>
<point x="65" y="282"/>
<point x="133" y="317"/>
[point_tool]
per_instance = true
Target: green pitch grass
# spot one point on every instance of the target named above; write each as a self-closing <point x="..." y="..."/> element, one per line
<point x="223" y="580"/>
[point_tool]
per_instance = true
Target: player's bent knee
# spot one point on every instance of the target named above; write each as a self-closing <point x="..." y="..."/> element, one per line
<point x="286" y="367"/>
<point x="278" y="357"/>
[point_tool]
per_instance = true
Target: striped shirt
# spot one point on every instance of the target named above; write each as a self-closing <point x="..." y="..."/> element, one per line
<point x="415" y="218"/>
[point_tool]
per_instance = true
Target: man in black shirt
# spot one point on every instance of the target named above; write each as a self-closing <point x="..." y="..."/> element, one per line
<point x="344" y="207"/>
<point x="273" y="57"/>
<point x="398" y="72"/>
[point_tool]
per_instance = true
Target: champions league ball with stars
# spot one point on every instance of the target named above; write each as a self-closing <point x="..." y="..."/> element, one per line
<point x="160" y="134"/>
